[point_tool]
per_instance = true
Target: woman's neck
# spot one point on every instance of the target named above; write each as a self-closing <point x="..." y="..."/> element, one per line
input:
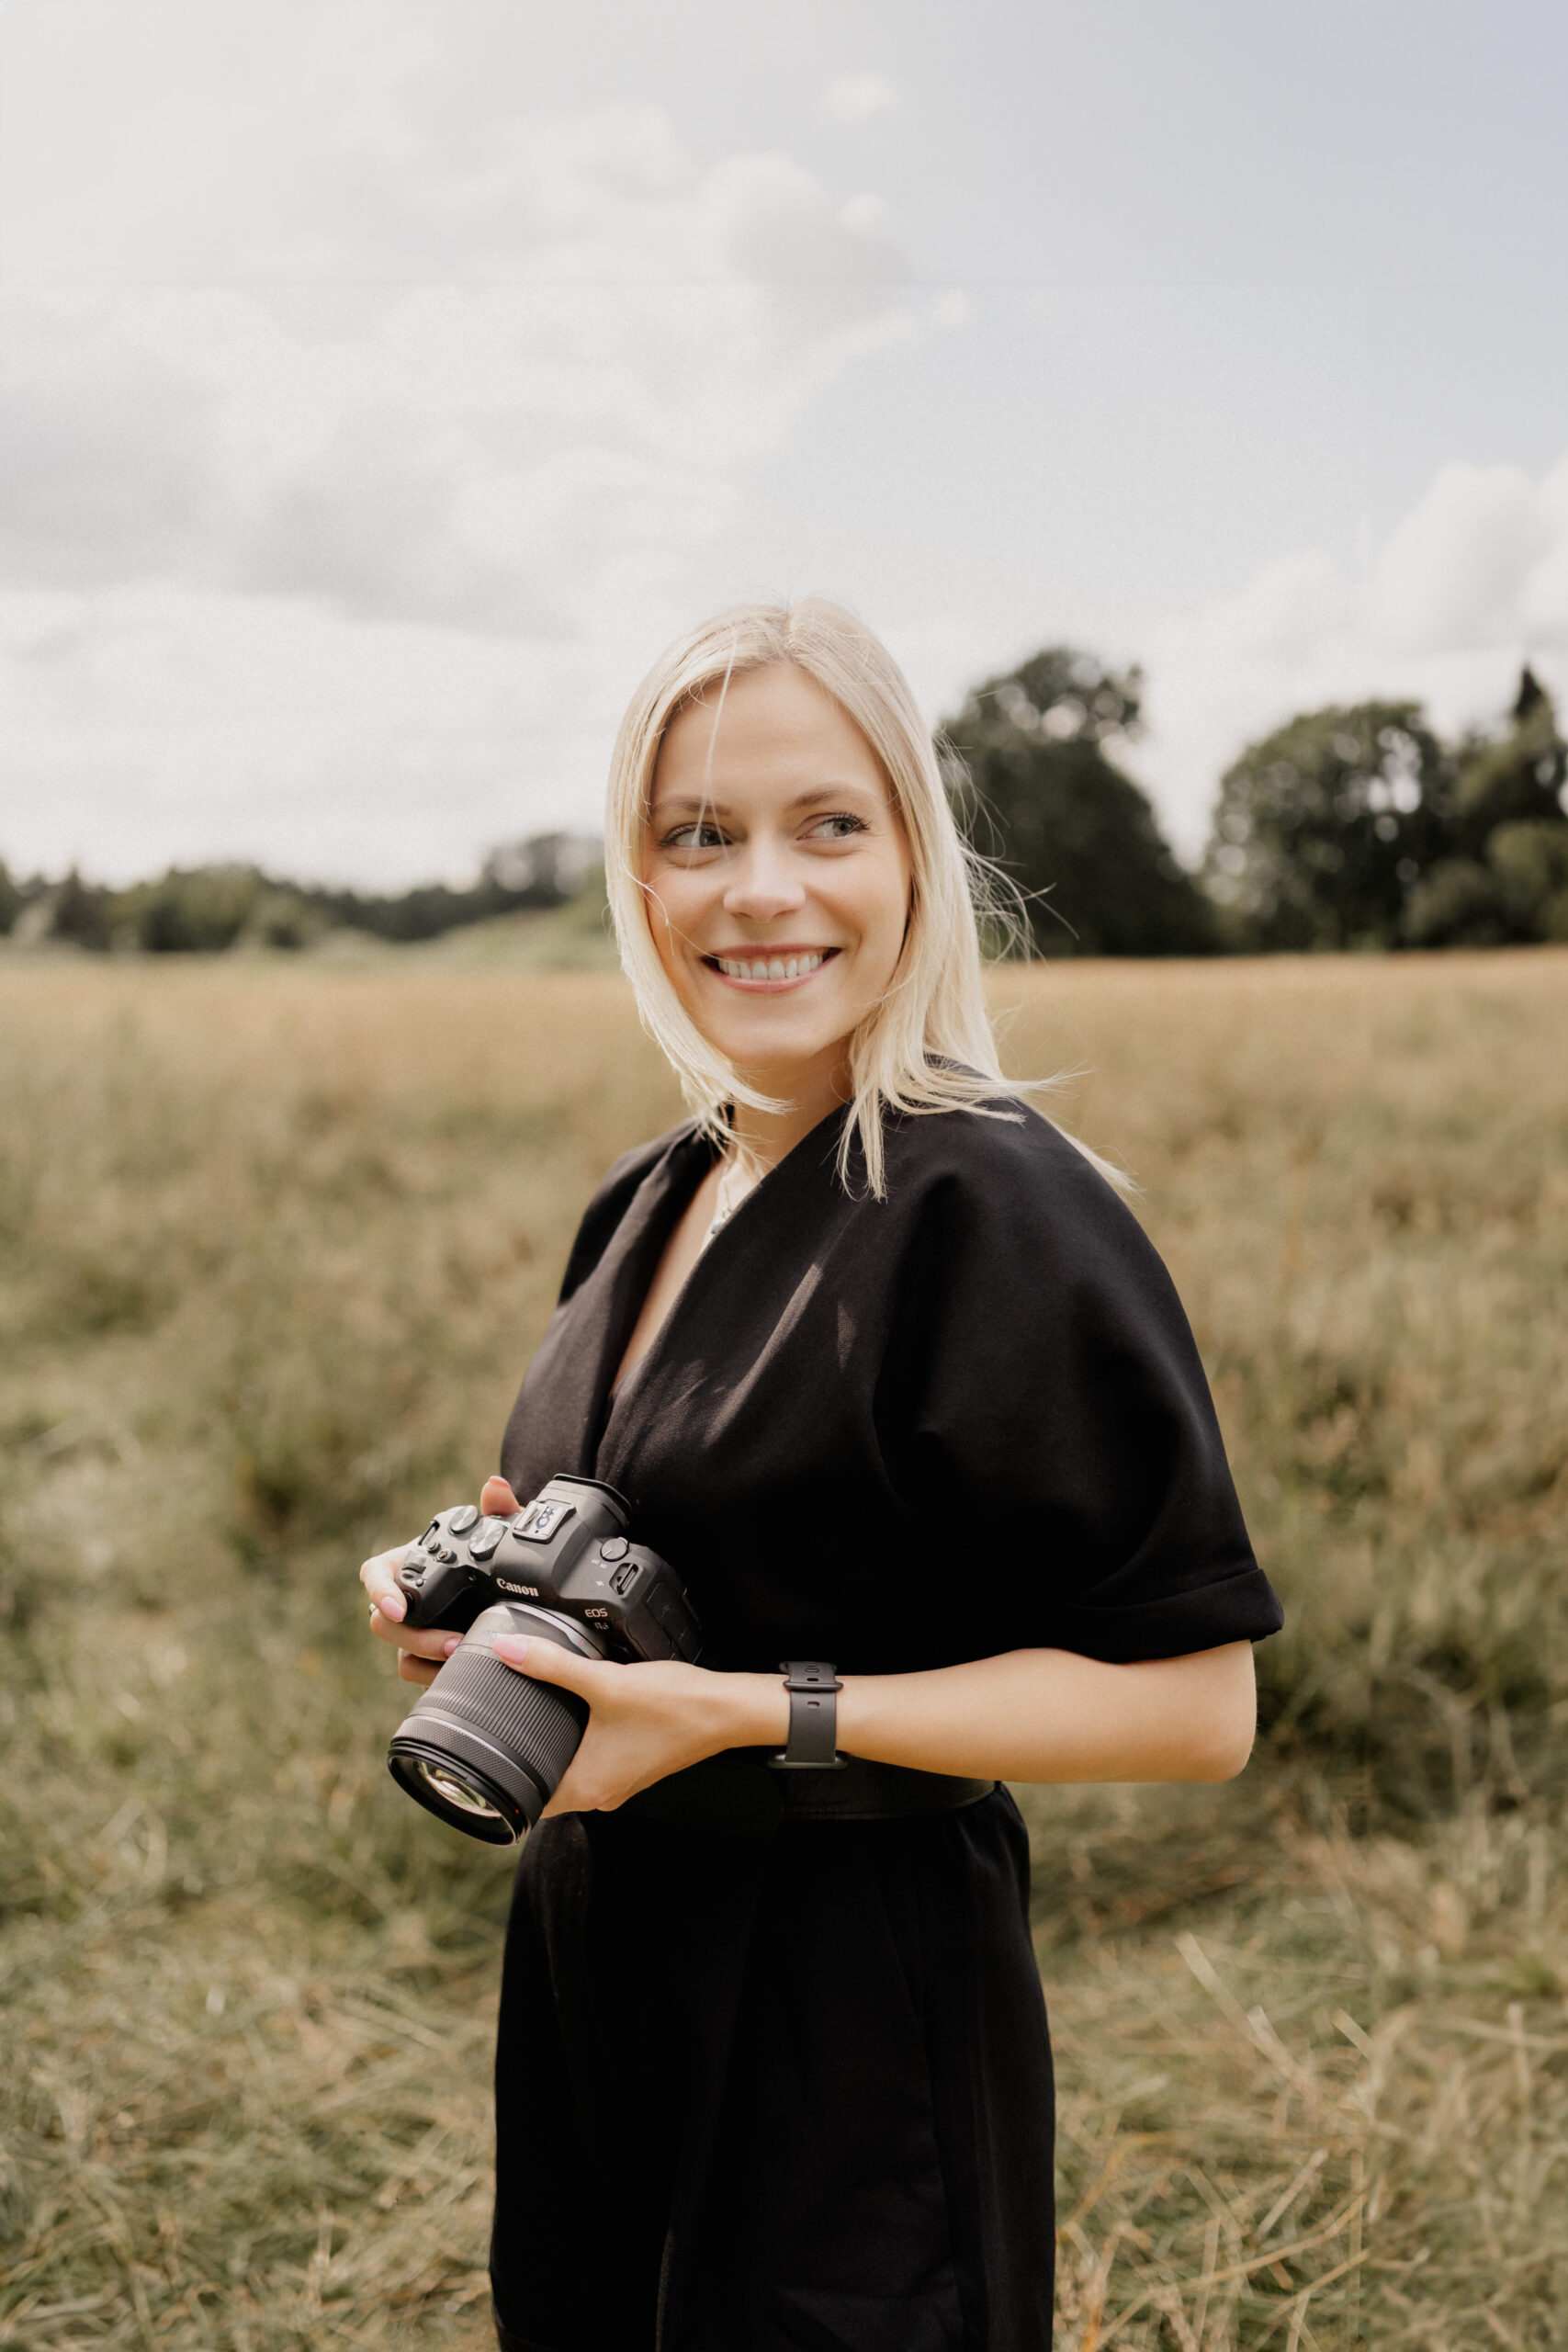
<point x="811" y="1091"/>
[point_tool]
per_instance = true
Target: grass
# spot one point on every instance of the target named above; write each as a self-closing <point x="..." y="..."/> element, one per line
<point x="275" y="1239"/>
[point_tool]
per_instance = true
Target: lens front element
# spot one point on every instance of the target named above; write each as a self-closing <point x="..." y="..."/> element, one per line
<point x="444" y="1783"/>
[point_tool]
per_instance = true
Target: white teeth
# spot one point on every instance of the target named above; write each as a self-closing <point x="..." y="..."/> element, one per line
<point x="773" y="967"/>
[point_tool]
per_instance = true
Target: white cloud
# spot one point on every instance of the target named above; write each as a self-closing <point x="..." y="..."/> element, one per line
<point x="852" y="99"/>
<point x="353" y="575"/>
<point x="159" y="723"/>
<point x="1453" y="573"/>
<point x="1470" y="584"/>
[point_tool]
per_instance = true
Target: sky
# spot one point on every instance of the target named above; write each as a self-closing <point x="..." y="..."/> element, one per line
<point x="382" y="382"/>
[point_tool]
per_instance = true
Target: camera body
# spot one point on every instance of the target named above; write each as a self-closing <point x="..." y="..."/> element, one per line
<point x="485" y="1746"/>
<point x="566" y="1550"/>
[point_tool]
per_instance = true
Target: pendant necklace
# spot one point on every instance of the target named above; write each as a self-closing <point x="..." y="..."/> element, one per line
<point x="733" y="1186"/>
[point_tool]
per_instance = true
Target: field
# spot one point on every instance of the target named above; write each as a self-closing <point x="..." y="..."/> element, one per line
<point x="275" y="1239"/>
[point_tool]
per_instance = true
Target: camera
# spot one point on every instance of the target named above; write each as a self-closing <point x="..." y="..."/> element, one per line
<point x="484" y="1746"/>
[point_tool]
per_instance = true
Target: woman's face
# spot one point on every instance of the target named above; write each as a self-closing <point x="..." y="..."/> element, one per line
<point x="776" y="873"/>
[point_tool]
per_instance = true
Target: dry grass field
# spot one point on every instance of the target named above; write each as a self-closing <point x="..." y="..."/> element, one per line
<point x="275" y="1239"/>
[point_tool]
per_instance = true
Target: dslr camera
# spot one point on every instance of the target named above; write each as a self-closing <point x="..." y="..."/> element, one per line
<point x="485" y="1746"/>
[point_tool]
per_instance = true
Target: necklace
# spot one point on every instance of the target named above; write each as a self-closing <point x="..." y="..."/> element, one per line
<point x="737" y="1180"/>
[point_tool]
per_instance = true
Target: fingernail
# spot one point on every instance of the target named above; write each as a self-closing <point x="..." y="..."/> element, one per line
<point x="393" y="1605"/>
<point x="448" y="1647"/>
<point x="511" y="1648"/>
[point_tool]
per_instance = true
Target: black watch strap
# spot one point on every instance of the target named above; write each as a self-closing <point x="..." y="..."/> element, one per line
<point x="813" y="1718"/>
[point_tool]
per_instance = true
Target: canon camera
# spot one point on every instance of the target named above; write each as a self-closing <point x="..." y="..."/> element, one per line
<point x="485" y="1746"/>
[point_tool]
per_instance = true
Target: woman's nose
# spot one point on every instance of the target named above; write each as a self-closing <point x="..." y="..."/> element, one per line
<point x="760" y="886"/>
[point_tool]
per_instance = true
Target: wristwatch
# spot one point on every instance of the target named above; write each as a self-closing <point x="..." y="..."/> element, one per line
<point x="813" y="1719"/>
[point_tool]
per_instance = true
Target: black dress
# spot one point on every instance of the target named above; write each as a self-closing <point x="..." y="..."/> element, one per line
<point x="768" y="2082"/>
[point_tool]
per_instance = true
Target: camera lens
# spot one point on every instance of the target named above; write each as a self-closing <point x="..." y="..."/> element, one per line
<point x="484" y="1748"/>
<point x="466" y="1796"/>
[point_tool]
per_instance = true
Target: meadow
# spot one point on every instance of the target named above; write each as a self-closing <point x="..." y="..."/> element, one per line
<point x="276" y="1237"/>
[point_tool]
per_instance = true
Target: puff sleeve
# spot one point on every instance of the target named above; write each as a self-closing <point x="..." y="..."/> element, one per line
<point x="1047" y="1412"/>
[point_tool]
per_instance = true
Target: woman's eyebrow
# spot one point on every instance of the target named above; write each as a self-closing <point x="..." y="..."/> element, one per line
<point x="821" y="792"/>
<point x="707" y="804"/>
<point x="696" y="804"/>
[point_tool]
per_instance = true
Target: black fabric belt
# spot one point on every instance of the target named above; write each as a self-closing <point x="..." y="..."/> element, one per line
<point x="737" y="1788"/>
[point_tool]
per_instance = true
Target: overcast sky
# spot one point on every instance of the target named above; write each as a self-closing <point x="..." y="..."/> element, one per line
<point x="384" y="380"/>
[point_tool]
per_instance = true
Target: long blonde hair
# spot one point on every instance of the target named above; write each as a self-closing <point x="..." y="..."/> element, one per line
<point x="928" y="1043"/>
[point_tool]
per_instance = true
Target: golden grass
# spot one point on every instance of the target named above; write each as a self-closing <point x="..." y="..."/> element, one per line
<point x="275" y="1241"/>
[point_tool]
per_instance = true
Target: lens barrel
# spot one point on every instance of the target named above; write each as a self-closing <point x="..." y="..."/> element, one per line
<point x="484" y="1748"/>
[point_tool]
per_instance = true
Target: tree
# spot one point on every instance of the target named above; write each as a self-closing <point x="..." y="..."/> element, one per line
<point x="1356" y="829"/>
<point x="79" y="912"/>
<point x="1504" y="876"/>
<point x="191" y="910"/>
<point x="1324" y="827"/>
<point x="206" y="908"/>
<point x="1514" y="778"/>
<point x="1030" y="769"/>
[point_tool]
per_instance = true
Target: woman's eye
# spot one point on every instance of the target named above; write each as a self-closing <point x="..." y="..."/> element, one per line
<point x="697" y="835"/>
<point x="838" y="828"/>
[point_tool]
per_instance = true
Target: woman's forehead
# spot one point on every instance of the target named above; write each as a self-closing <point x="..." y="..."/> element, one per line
<point x="774" y="730"/>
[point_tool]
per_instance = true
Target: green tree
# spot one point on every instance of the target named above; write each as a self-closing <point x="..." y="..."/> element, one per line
<point x="1514" y="778"/>
<point x="194" y="910"/>
<point x="1504" y="874"/>
<point x="79" y="912"/>
<point x="1325" y="827"/>
<point x="1030" y="769"/>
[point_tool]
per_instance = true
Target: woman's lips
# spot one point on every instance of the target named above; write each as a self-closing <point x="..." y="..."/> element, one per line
<point x="772" y="967"/>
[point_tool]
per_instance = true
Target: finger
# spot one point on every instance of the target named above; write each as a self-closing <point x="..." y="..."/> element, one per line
<point x="431" y="1640"/>
<point x="379" y="1578"/>
<point x="545" y="1663"/>
<point x="581" y="1790"/>
<point x="570" y="1798"/>
<point x="497" y="1499"/>
<point x="417" y="1669"/>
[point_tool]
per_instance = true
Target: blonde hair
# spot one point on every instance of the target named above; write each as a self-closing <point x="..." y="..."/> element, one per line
<point x="928" y="1043"/>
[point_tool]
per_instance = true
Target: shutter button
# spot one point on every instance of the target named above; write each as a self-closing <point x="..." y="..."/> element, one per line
<point x="614" y="1547"/>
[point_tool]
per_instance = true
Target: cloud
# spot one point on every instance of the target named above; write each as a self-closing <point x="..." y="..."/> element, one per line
<point x="157" y="723"/>
<point x="352" y="573"/>
<point x="853" y="98"/>
<point x="105" y="456"/>
<point x="1469" y="585"/>
<point x="1455" y="571"/>
<point x="379" y="140"/>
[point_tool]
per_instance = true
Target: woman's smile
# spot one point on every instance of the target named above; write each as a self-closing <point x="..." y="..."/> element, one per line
<point x="768" y="969"/>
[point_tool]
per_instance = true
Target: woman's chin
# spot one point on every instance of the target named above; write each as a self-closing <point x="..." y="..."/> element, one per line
<point x="782" y="1026"/>
<point x="774" y="1054"/>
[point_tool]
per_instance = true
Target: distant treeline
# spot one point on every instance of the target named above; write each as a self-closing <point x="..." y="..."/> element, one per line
<point x="206" y="908"/>
<point x="1349" y="828"/>
<point x="1353" y="827"/>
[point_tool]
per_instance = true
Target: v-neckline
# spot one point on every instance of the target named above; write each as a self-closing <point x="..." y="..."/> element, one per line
<point x="608" y="1400"/>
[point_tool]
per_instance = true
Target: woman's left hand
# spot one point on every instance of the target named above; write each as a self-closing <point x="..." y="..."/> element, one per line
<point x="648" y="1720"/>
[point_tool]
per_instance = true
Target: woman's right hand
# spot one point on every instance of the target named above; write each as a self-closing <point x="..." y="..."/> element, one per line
<point x="421" y="1656"/>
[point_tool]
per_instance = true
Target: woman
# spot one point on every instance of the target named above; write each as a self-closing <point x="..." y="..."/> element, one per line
<point x="890" y="1375"/>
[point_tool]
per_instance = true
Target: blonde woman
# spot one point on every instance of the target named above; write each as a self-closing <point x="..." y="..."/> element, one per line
<point x="890" y="1373"/>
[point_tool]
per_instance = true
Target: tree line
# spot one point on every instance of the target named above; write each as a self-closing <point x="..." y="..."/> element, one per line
<point x="1350" y="828"/>
<point x="206" y="908"/>
<point x="1353" y="827"/>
